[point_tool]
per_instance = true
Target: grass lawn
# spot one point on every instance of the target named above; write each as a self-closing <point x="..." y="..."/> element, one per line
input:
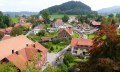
<point x="46" y="25"/>
<point x="53" y="34"/>
<point x="54" y="48"/>
<point x="34" y="38"/>
<point x="76" y="60"/>
<point x="90" y="36"/>
<point x="59" y="16"/>
<point x="76" y="35"/>
<point x="15" y="20"/>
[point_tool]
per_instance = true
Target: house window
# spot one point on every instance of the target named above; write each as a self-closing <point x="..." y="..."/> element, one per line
<point x="75" y="52"/>
<point x="83" y="53"/>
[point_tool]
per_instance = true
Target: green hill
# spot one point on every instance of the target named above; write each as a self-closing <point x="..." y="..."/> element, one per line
<point x="71" y="8"/>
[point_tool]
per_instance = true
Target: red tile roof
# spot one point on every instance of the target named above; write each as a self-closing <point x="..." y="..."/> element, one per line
<point x="68" y="30"/>
<point x="81" y="41"/>
<point x="18" y="60"/>
<point x="23" y="56"/>
<point x="16" y="43"/>
<point x="40" y="47"/>
<point x="27" y="50"/>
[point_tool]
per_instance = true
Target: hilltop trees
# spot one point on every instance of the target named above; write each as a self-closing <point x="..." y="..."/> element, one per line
<point x="71" y="8"/>
<point x="46" y="16"/>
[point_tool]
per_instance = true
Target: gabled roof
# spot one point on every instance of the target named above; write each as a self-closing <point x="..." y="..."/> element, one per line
<point x="96" y="23"/>
<point x="15" y="43"/>
<point x="40" y="47"/>
<point x="24" y="50"/>
<point x="81" y="41"/>
<point x="59" y="22"/>
<point x="23" y="56"/>
<point x="68" y="30"/>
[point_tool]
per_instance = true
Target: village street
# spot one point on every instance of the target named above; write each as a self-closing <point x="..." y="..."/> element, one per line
<point x="52" y="57"/>
<point x="29" y="32"/>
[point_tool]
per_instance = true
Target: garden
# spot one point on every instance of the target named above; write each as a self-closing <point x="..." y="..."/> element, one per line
<point x="56" y="45"/>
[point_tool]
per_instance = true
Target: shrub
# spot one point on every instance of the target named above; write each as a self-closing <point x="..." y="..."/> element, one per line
<point x="56" y="41"/>
<point x="41" y="33"/>
<point x="16" y="31"/>
<point x="63" y="67"/>
<point x="69" y="58"/>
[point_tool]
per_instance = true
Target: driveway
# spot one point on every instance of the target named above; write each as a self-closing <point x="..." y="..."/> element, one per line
<point x="51" y="57"/>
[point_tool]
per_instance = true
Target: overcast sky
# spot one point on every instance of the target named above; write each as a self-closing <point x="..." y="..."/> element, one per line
<point x="37" y="5"/>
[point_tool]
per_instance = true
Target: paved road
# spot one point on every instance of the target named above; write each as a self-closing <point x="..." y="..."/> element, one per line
<point x="29" y="32"/>
<point x="52" y="57"/>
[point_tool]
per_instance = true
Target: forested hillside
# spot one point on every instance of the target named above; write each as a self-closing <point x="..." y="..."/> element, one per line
<point x="71" y="7"/>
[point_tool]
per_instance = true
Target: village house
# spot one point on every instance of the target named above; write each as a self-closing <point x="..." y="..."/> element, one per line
<point x="37" y="29"/>
<point x="95" y="24"/>
<point x="6" y="30"/>
<point x="57" y="23"/>
<point x="20" y="51"/>
<point x="29" y="25"/>
<point x="65" y="33"/>
<point x="81" y="46"/>
<point x="52" y="29"/>
<point x="46" y="39"/>
<point x="72" y="19"/>
<point x="22" y="20"/>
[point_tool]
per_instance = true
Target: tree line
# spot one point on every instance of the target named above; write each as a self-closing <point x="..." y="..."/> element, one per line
<point x="5" y="20"/>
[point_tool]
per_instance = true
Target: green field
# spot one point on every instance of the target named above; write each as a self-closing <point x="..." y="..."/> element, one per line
<point x="59" y="16"/>
<point x="15" y="20"/>
<point x="76" y="35"/>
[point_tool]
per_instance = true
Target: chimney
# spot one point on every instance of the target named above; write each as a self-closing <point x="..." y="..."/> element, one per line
<point x="12" y="51"/>
<point x="17" y="52"/>
<point x="34" y="45"/>
<point x="26" y="44"/>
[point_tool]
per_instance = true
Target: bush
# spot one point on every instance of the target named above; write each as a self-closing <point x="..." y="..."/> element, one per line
<point x="69" y="58"/>
<point x="1" y="35"/>
<point x="16" y="31"/>
<point x="51" y="48"/>
<point x="63" y="67"/>
<point x="41" y="33"/>
<point x="56" y="41"/>
<point x="7" y="67"/>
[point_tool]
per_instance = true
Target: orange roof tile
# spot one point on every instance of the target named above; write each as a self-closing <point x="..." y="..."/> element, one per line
<point x="15" y="43"/>
<point x="18" y="61"/>
<point x="81" y="41"/>
<point x="27" y="50"/>
<point x="68" y="30"/>
<point x="40" y="47"/>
